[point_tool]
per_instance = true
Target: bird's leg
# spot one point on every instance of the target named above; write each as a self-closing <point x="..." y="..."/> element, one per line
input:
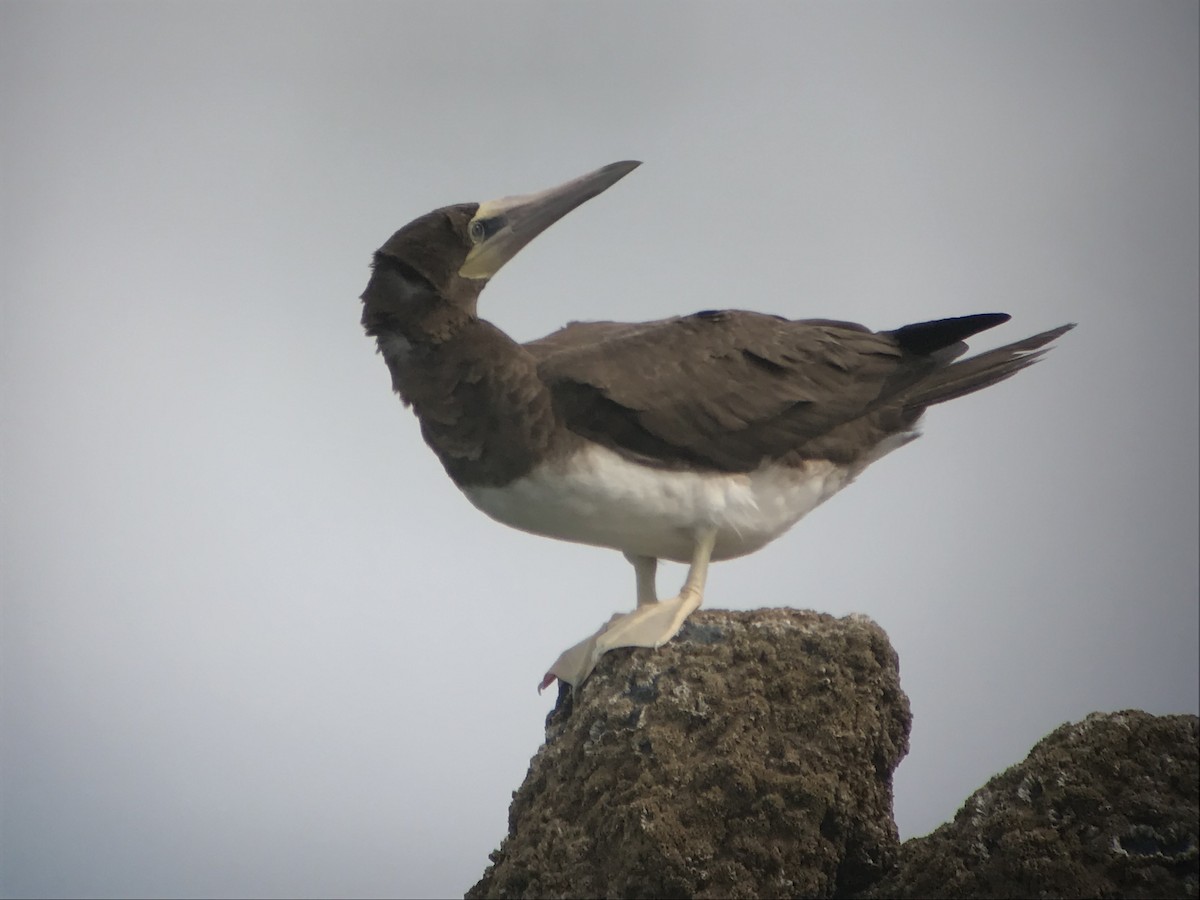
<point x="644" y="568"/>
<point x="650" y="625"/>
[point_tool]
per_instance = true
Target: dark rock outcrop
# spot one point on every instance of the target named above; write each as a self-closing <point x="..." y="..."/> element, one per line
<point x="750" y="757"/>
<point x="753" y="757"/>
<point x="1106" y="807"/>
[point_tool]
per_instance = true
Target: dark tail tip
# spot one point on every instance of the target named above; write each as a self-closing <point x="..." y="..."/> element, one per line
<point x="924" y="338"/>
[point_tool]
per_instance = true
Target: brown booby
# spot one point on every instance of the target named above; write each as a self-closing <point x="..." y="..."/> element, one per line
<point x="696" y="438"/>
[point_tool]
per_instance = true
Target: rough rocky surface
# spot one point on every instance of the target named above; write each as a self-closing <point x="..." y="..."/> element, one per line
<point x="750" y="757"/>
<point x="1106" y="807"/>
<point x="753" y="757"/>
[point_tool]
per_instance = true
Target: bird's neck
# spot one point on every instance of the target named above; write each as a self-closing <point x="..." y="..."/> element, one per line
<point x="482" y="407"/>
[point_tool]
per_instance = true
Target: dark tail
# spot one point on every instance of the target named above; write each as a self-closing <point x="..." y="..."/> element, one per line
<point x="969" y="375"/>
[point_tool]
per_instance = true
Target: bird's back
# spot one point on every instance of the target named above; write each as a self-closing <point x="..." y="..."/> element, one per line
<point x="730" y="390"/>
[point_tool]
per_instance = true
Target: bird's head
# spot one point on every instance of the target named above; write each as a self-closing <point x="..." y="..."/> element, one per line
<point x="428" y="276"/>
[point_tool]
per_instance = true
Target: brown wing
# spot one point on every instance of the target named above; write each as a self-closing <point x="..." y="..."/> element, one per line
<point x="724" y="390"/>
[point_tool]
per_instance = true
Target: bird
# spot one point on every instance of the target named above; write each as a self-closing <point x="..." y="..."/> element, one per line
<point x="697" y="438"/>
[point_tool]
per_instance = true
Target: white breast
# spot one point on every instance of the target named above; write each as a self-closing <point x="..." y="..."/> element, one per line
<point x="598" y="497"/>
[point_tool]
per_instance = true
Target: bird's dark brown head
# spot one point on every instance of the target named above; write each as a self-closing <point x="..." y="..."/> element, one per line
<point x="428" y="276"/>
<point x="415" y="288"/>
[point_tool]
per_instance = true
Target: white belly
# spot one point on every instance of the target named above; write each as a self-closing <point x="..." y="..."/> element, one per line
<point x="598" y="497"/>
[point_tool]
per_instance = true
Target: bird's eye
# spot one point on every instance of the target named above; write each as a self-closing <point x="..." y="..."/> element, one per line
<point x="477" y="230"/>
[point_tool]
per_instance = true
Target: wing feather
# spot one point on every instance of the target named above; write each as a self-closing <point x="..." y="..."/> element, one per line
<point x="729" y="390"/>
<point x="723" y="389"/>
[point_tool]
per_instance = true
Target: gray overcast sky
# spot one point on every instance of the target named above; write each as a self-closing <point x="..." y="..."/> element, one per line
<point x="254" y="642"/>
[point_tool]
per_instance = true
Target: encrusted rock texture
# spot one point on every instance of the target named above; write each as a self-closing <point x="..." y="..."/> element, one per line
<point x="750" y="757"/>
<point x="753" y="757"/>
<point x="1106" y="807"/>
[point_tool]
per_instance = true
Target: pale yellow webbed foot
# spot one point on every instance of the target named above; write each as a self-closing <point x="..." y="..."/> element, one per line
<point x="652" y="624"/>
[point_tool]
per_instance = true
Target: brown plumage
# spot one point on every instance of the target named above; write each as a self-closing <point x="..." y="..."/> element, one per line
<point x="696" y="437"/>
<point x="730" y="390"/>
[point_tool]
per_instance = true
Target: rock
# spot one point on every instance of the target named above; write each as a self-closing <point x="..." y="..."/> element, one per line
<point x="1106" y="807"/>
<point x="753" y="757"/>
<point x="750" y="757"/>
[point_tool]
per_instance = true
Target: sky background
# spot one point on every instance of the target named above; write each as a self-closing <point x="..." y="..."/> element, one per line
<point x="254" y="642"/>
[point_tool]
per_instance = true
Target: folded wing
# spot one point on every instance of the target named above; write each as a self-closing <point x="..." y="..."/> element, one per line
<point x="729" y="390"/>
